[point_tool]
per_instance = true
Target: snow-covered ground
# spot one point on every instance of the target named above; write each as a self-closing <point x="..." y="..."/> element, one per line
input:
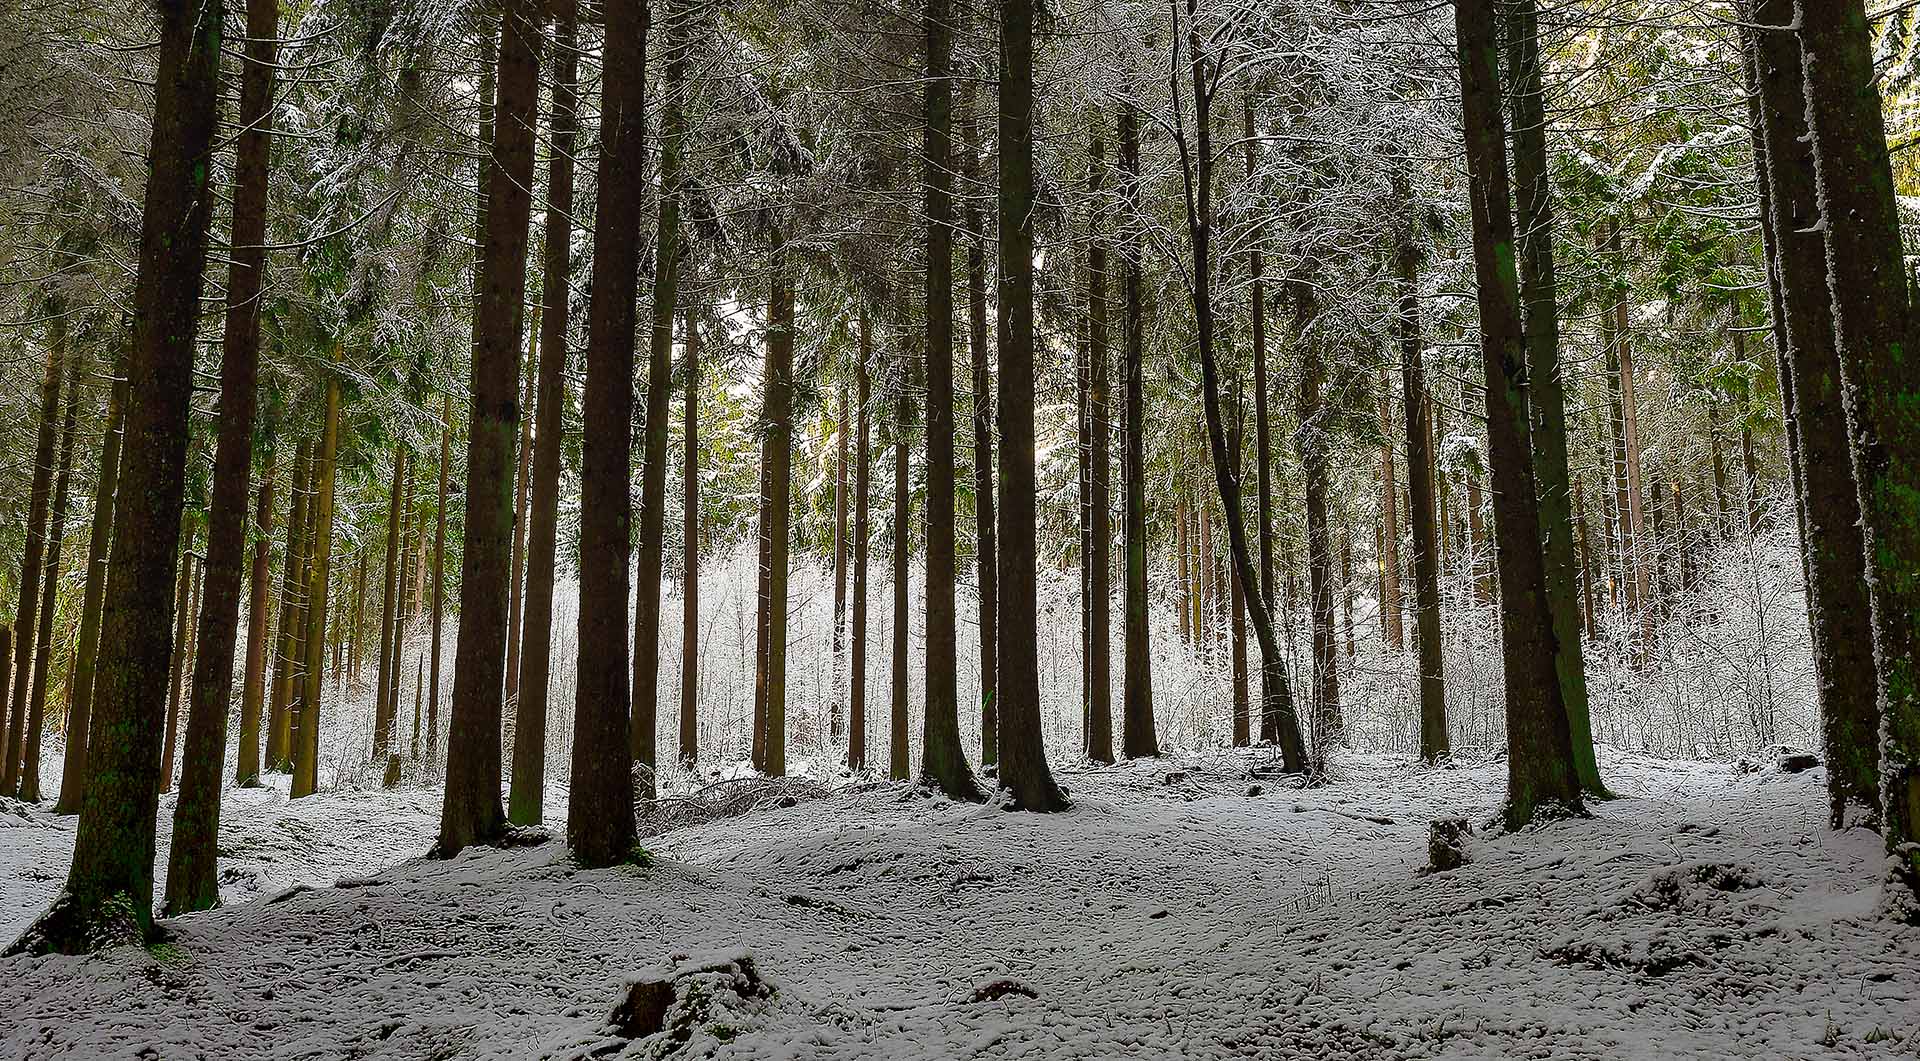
<point x="1176" y="912"/>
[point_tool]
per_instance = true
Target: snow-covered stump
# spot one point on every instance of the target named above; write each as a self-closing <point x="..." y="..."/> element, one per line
<point x="698" y="1001"/>
<point x="1447" y="844"/>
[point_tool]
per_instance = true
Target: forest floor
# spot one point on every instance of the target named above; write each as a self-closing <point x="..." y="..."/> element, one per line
<point x="1172" y="913"/>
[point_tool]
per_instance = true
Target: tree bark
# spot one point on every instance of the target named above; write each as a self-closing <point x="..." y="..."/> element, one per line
<point x="1546" y="389"/>
<point x="73" y="776"/>
<point x="1434" y="741"/>
<point x="292" y="592"/>
<point x="526" y="798"/>
<point x="384" y="707"/>
<point x="986" y="554"/>
<point x="690" y="521"/>
<point x="943" y="761"/>
<point x="1100" y="658"/>
<point x="862" y="481"/>
<point x="108" y="896"/>
<point x="1540" y="766"/>
<point x="306" y="735"/>
<point x="1838" y="608"/>
<point x="29" y="791"/>
<point x="192" y="871"/>
<point x="439" y="580"/>
<point x="653" y="476"/>
<point x="1023" y="755"/>
<point x="470" y="811"/>
<point x="523" y="486"/>
<point x="33" y="562"/>
<point x="902" y="556"/>
<point x="1138" y="737"/>
<point x="1880" y="385"/>
<point x="176" y="675"/>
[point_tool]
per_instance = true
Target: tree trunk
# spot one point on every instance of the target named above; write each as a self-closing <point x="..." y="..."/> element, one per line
<point x="1023" y="754"/>
<point x="439" y="581"/>
<point x="471" y="812"/>
<point x="1434" y="741"/>
<point x="176" y="675"/>
<point x="32" y="565"/>
<point x="526" y="799"/>
<point x="29" y="791"/>
<point x="1540" y="764"/>
<point x="600" y="825"/>
<point x="862" y="480"/>
<point x="690" y="522"/>
<point x="1138" y="737"/>
<point x="653" y="475"/>
<point x="306" y="735"/>
<point x="523" y="483"/>
<point x="73" y="776"/>
<point x="1389" y="522"/>
<point x="1197" y="170"/>
<point x="1262" y="440"/>
<point x="192" y="872"/>
<point x="1838" y="609"/>
<point x="779" y="437"/>
<point x="1880" y="387"/>
<point x="1313" y="444"/>
<point x="902" y="555"/>
<point x="986" y="557"/>
<point x="1100" y="659"/>
<point x="1547" y="391"/>
<point x="292" y="592"/>
<point x="108" y="896"/>
<point x="384" y="707"/>
<point x="836" y="719"/>
<point x="943" y="761"/>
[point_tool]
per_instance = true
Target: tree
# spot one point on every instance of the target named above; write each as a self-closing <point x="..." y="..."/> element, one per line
<point x="985" y="551"/>
<point x="384" y="706"/>
<point x="73" y="774"/>
<point x="1137" y="734"/>
<point x="471" y="812"/>
<point x="306" y="730"/>
<point x="1540" y="767"/>
<point x="107" y="898"/>
<point x="526" y="803"/>
<point x="1024" y="773"/>
<point x="1880" y="385"/>
<point x="192" y="871"/>
<point x="1547" y="406"/>
<point x="1099" y="737"/>
<point x="32" y="565"/>
<point x="690" y="523"/>
<point x="1838" y="610"/>
<point x="653" y="483"/>
<point x="29" y="748"/>
<point x="1434" y="742"/>
<point x="862" y="485"/>
<point x="600" y="825"/>
<point x="942" y="761"/>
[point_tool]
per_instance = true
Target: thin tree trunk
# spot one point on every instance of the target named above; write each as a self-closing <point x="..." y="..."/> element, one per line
<point x="73" y="775"/>
<point x="986" y="556"/>
<point x="862" y="480"/>
<point x="306" y="736"/>
<point x="32" y="565"/>
<point x="836" y="719"/>
<point x="1197" y="170"/>
<point x="1540" y="763"/>
<point x="439" y="581"/>
<point x="1100" y="660"/>
<point x="523" y="485"/>
<point x="690" y="522"/>
<point x="1138" y="737"/>
<point x="29" y="791"/>
<point x="1263" y="444"/>
<point x="902" y="555"/>
<point x="526" y="799"/>
<point x="176" y="676"/>
<point x="780" y="336"/>
<point x="384" y="707"/>
<point x="292" y="591"/>
<point x="1390" y="522"/>
<point x="653" y="475"/>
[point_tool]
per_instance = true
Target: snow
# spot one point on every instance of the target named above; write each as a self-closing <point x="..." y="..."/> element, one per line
<point x="1180" y="909"/>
